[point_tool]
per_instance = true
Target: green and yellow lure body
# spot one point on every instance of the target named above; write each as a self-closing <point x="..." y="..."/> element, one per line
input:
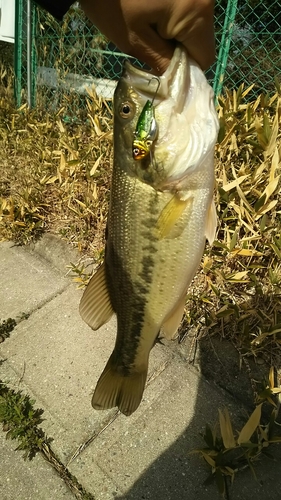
<point x="145" y="133"/>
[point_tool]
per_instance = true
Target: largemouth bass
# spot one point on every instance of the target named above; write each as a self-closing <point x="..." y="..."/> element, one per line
<point x="161" y="212"/>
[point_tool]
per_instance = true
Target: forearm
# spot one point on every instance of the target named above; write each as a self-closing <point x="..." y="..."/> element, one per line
<point x="150" y="29"/>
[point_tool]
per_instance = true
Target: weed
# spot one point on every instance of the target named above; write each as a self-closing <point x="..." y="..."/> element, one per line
<point x="6" y="327"/>
<point x="79" y="274"/>
<point x="21" y="422"/>
<point x="227" y="452"/>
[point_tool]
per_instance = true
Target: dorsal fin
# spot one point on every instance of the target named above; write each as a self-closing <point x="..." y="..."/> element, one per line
<point x="95" y="306"/>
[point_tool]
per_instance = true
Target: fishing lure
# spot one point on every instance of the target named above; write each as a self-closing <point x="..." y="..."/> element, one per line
<point x="146" y="130"/>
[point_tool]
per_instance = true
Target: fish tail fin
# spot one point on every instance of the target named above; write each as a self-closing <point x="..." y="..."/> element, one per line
<point x="114" y="389"/>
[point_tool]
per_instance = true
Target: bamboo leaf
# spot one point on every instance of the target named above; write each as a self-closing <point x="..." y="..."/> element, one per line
<point x="271" y="187"/>
<point x="260" y="203"/>
<point x="267" y="128"/>
<point x="274" y="164"/>
<point x="275" y="439"/>
<point x="276" y="250"/>
<point x="237" y="276"/>
<point x="208" y="459"/>
<point x="226" y="429"/>
<point x="220" y="481"/>
<point x="208" y="437"/>
<point x="95" y="166"/>
<point x="261" y="134"/>
<point x="224" y="312"/>
<point x="53" y="179"/>
<point x="266" y="208"/>
<point x="247" y="252"/>
<point x="233" y="241"/>
<point x="251" y="425"/>
<point x="62" y="162"/>
<point x="273" y="136"/>
<point x="247" y="90"/>
<point x="60" y="126"/>
<point x="271" y="377"/>
<point x="231" y="185"/>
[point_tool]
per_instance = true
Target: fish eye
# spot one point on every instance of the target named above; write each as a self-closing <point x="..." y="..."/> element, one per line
<point x="126" y="110"/>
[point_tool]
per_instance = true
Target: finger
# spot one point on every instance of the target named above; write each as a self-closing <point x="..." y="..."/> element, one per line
<point x="194" y="29"/>
<point x="151" y="49"/>
<point x="200" y="46"/>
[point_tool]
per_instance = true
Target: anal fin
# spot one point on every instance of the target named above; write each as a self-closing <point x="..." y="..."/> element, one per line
<point x="172" y="323"/>
<point x="95" y="306"/>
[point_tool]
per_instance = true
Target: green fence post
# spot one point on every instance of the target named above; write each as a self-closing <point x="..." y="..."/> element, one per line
<point x="18" y="51"/>
<point x="33" y="55"/>
<point x="28" y="52"/>
<point x="31" y="52"/>
<point x="225" y="45"/>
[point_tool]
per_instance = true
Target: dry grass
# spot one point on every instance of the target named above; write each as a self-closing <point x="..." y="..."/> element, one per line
<point x="56" y="176"/>
<point x="239" y="286"/>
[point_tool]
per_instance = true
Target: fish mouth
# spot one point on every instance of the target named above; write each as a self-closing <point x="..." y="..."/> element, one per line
<point x="173" y="83"/>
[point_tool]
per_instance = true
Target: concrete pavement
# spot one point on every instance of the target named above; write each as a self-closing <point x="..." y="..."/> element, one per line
<point x="56" y="358"/>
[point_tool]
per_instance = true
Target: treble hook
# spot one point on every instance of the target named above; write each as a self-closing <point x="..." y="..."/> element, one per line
<point x="156" y="91"/>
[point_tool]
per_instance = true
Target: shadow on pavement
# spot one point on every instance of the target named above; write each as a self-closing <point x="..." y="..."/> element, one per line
<point x="176" y="474"/>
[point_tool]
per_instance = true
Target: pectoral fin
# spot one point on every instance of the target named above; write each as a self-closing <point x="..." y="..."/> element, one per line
<point x="171" y="324"/>
<point x="95" y="306"/>
<point x="211" y="223"/>
<point x="170" y="215"/>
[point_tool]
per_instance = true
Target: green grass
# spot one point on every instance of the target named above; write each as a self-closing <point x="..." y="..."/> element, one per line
<point x="21" y="422"/>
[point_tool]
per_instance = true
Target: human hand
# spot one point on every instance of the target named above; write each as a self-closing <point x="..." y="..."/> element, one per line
<point x="149" y="29"/>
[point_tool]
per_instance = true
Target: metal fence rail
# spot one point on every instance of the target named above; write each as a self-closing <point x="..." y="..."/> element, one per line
<point x="56" y="62"/>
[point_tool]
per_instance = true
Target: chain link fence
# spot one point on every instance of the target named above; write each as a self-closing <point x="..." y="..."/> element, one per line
<point x="249" y="43"/>
<point x="55" y="62"/>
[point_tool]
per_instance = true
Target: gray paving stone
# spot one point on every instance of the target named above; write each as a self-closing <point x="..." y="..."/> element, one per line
<point x="97" y="481"/>
<point x="28" y="480"/>
<point x="148" y="456"/>
<point x="59" y="358"/>
<point x="27" y="281"/>
<point x="55" y="251"/>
